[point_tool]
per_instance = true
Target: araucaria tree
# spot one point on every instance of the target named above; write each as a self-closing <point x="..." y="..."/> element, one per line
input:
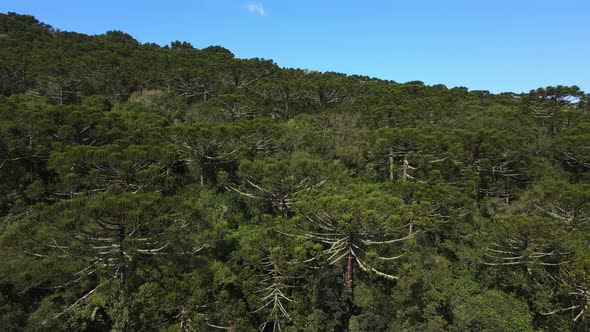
<point x="361" y="227"/>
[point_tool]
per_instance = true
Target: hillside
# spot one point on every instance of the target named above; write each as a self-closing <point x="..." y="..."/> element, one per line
<point x="170" y="188"/>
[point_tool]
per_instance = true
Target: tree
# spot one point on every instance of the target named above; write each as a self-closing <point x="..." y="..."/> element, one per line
<point x="132" y="168"/>
<point x="492" y="311"/>
<point x="360" y="227"/>
<point x="276" y="180"/>
<point x="572" y="149"/>
<point x="547" y="104"/>
<point x="405" y="150"/>
<point x="207" y="149"/>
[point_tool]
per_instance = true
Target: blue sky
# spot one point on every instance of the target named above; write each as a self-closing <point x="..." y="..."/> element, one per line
<point x="495" y="45"/>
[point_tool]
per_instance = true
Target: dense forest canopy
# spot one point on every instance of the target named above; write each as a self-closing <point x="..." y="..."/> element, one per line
<point x="150" y="188"/>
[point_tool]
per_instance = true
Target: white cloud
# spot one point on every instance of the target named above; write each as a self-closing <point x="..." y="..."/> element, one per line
<point x="256" y="7"/>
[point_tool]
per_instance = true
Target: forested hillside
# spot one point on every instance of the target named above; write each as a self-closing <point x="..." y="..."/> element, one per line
<point x="150" y="188"/>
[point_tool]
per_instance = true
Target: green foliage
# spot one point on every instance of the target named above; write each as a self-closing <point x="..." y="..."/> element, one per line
<point x="150" y="188"/>
<point x="492" y="311"/>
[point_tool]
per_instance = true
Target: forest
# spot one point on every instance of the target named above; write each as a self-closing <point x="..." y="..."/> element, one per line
<point x="169" y="188"/>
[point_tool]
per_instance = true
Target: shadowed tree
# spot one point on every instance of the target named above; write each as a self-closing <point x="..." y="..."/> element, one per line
<point x="276" y="180"/>
<point x="206" y="149"/>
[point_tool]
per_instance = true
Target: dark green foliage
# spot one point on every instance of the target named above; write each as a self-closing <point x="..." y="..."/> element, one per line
<point x="149" y="188"/>
<point x="492" y="311"/>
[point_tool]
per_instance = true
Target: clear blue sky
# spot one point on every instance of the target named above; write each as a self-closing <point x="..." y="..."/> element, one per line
<point x="495" y="45"/>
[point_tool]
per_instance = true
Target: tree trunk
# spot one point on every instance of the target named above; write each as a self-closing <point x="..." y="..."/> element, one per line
<point x="349" y="265"/>
<point x="121" y="321"/>
<point x="201" y="176"/>
<point x="507" y="193"/>
<point x="349" y="291"/>
<point x="121" y="270"/>
<point x="406" y="167"/>
<point x="391" y="166"/>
